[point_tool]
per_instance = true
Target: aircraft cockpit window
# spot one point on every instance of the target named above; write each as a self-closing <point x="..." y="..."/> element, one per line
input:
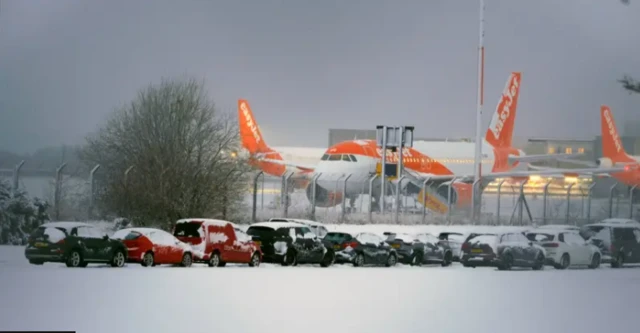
<point x="335" y="157"/>
<point x="353" y="158"/>
<point x="346" y="158"/>
<point x="325" y="157"/>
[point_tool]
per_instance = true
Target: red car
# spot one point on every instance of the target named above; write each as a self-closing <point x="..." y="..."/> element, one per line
<point x="152" y="247"/>
<point x="218" y="242"/>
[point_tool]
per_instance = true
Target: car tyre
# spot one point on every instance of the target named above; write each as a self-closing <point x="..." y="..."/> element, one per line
<point x="328" y="259"/>
<point x="392" y="260"/>
<point x="595" y="261"/>
<point x="565" y="262"/>
<point x="416" y="260"/>
<point x="74" y="259"/>
<point x="358" y="261"/>
<point x="119" y="259"/>
<point x="36" y="262"/>
<point x="507" y="262"/>
<point x="255" y="260"/>
<point x="539" y="262"/>
<point x="447" y="259"/>
<point x="618" y="262"/>
<point x="290" y="258"/>
<point x="215" y="260"/>
<point x="187" y="260"/>
<point x="148" y="260"/>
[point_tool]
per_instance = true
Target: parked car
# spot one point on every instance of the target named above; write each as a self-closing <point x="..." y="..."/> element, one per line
<point x="566" y="248"/>
<point x="217" y="242"/>
<point x="290" y="244"/>
<point x="75" y="244"/>
<point x="151" y="247"/>
<point x="504" y="250"/>
<point x="619" y="221"/>
<point x="361" y="249"/>
<point x="454" y="241"/>
<point x="318" y="228"/>
<point x="420" y="249"/>
<point x="619" y="243"/>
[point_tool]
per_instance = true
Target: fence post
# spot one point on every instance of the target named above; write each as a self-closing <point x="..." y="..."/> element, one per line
<point x="611" y="189"/>
<point x="92" y="191"/>
<point x="398" y="188"/>
<point x="449" y="199"/>
<point x="255" y="197"/>
<point x="476" y="195"/>
<point x="566" y="220"/>
<point x="371" y="180"/>
<point x="498" y="195"/>
<point x="633" y="189"/>
<point x="424" y="199"/>
<point x="57" y="189"/>
<point x="344" y="198"/>
<point x="589" y="193"/>
<point x="545" y="195"/>
<point x="286" y="194"/>
<point x="16" y="178"/>
<point x="314" y="187"/>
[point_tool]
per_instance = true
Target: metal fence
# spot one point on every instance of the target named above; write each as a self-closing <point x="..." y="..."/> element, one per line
<point x="343" y="198"/>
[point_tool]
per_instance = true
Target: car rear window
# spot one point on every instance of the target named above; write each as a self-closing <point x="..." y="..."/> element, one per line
<point x="624" y="234"/>
<point x="483" y="239"/>
<point x="132" y="235"/>
<point x="260" y="231"/>
<point x="188" y="229"/>
<point x="540" y="237"/>
<point x="337" y="237"/>
<point x="596" y="231"/>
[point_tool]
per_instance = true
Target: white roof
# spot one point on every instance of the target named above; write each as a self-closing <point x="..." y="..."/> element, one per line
<point x="65" y="225"/>
<point x="219" y="223"/>
<point x="556" y="227"/>
<point x="277" y="225"/>
<point x="302" y="221"/>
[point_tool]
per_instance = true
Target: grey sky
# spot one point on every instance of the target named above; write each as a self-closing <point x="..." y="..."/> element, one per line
<point x="306" y="66"/>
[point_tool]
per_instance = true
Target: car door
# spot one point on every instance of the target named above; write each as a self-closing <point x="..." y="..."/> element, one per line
<point x="517" y="250"/>
<point x="242" y="245"/>
<point x="433" y="251"/>
<point x="529" y="250"/>
<point x="90" y="243"/>
<point x="577" y="247"/>
<point x="382" y="248"/>
<point x="369" y="248"/>
<point x="627" y="239"/>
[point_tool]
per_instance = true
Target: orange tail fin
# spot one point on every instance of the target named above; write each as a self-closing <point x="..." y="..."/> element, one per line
<point x="500" y="132"/>
<point x="249" y="131"/>
<point x="611" y="144"/>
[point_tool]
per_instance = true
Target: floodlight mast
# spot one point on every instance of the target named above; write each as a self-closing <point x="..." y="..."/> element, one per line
<point x="475" y="197"/>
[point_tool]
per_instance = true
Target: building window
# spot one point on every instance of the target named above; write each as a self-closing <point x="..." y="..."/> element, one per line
<point x="552" y="150"/>
<point x="581" y="150"/>
<point x="568" y="150"/>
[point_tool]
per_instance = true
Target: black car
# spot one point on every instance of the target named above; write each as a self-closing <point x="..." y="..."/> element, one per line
<point x="619" y="243"/>
<point x="362" y="249"/>
<point x="503" y="250"/>
<point x="290" y="244"/>
<point x="419" y="249"/>
<point x="75" y="244"/>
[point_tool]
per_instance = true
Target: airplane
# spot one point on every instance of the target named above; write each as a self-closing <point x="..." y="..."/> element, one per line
<point x="438" y="162"/>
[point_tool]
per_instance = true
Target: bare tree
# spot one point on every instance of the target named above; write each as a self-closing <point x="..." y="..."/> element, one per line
<point x="183" y="152"/>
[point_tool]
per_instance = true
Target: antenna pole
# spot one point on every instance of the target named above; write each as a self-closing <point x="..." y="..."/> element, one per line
<point x="480" y="101"/>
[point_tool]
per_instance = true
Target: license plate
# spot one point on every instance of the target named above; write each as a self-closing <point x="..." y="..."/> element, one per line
<point x="476" y="250"/>
<point x="395" y="246"/>
<point x="336" y="247"/>
<point x="41" y="244"/>
<point x="259" y="243"/>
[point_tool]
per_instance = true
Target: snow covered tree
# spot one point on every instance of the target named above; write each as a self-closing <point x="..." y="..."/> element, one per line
<point x="183" y="154"/>
<point x="19" y="215"/>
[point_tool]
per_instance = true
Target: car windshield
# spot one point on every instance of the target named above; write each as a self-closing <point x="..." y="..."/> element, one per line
<point x="188" y="229"/>
<point x="540" y="237"/>
<point x="337" y="237"/>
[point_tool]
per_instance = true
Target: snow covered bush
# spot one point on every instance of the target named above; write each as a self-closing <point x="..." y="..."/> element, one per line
<point x="19" y="215"/>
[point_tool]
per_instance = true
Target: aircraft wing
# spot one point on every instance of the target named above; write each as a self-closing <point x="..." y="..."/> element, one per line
<point x="522" y="174"/>
<point x="301" y="167"/>
<point x="542" y="157"/>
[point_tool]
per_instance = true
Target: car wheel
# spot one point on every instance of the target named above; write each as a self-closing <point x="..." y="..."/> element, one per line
<point x="148" y="260"/>
<point x="118" y="259"/>
<point x="618" y="262"/>
<point x="255" y="260"/>
<point x="565" y="262"/>
<point x="391" y="260"/>
<point x="290" y="259"/>
<point x="359" y="260"/>
<point x="447" y="259"/>
<point x="328" y="259"/>
<point x="595" y="261"/>
<point x="507" y="262"/>
<point x="187" y="260"/>
<point x="416" y="260"/>
<point x="36" y="262"/>
<point x="74" y="259"/>
<point x="539" y="263"/>
<point x="214" y="260"/>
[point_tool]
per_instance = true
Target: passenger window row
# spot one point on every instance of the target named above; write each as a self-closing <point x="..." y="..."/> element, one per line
<point x="339" y="157"/>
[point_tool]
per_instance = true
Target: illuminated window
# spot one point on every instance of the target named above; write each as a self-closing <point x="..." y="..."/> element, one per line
<point x="552" y="150"/>
<point x="581" y="150"/>
<point x="568" y="150"/>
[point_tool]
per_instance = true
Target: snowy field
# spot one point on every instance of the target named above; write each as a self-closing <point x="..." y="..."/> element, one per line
<point x="312" y="299"/>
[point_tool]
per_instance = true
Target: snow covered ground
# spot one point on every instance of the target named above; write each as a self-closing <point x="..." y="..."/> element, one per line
<point x="311" y="299"/>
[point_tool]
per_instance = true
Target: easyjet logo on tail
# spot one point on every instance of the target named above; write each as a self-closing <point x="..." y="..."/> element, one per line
<point x="249" y="121"/>
<point x="612" y="129"/>
<point x="508" y="95"/>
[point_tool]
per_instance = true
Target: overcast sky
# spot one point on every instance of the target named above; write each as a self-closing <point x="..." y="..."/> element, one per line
<point x="307" y="65"/>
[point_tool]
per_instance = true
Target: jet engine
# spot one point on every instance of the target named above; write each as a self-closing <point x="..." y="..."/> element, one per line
<point x="324" y="198"/>
<point x="604" y="162"/>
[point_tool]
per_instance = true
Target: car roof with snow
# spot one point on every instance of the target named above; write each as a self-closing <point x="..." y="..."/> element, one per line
<point x="556" y="227"/>
<point x="219" y="223"/>
<point x="614" y="225"/>
<point x="277" y="225"/>
<point x="405" y="237"/>
<point x="142" y="230"/>
<point x="619" y="221"/>
<point x="301" y="221"/>
<point x="66" y="225"/>
<point x="551" y="231"/>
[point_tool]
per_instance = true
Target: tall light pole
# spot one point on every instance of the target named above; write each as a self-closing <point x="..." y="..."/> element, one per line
<point x="480" y="100"/>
